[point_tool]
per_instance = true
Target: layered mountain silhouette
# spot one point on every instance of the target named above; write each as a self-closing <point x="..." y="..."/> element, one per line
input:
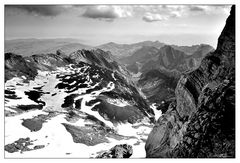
<point x="124" y="50"/>
<point x="167" y="57"/>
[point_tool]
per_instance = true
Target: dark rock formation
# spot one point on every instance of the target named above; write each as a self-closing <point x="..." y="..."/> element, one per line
<point x="22" y="145"/>
<point x="118" y="151"/>
<point x="158" y="85"/>
<point x="35" y="124"/>
<point x="16" y="65"/>
<point x="171" y="58"/>
<point x="203" y="122"/>
<point x="92" y="135"/>
<point x="89" y="136"/>
<point x="95" y="57"/>
<point x="117" y="114"/>
<point x="49" y="61"/>
<point x="214" y="68"/>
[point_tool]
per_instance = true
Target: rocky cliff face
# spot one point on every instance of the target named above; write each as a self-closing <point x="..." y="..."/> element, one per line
<point x="158" y="85"/>
<point x="96" y="57"/>
<point x="16" y="65"/>
<point x="203" y="122"/>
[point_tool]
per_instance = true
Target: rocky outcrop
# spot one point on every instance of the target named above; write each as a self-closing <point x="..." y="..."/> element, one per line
<point x="211" y="130"/>
<point x="214" y="68"/>
<point x="118" y="151"/>
<point x="202" y="124"/>
<point x="95" y="57"/>
<point x="49" y="61"/>
<point x="16" y="65"/>
<point x="158" y="85"/>
<point x="171" y="58"/>
<point x="22" y="145"/>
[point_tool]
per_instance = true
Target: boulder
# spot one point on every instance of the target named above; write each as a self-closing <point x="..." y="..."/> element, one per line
<point x="118" y="151"/>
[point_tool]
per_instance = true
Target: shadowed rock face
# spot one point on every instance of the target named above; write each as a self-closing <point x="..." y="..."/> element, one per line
<point x="16" y="65"/>
<point x="212" y="69"/>
<point x="95" y="57"/>
<point x="158" y="85"/>
<point x="118" y="151"/>
<point x="202" y="124"/>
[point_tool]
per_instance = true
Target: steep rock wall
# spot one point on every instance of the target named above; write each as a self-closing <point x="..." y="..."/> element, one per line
<point x="203" y="122"/>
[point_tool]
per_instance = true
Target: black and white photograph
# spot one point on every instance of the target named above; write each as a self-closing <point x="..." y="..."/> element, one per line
<point x="92" y="81"/>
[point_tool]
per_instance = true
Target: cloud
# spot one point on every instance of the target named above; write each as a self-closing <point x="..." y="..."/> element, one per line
<point x="150" y="17"/>
<point x="154" y="13"/>
<point x="39" y="10"/>
<point x="106" y="12"/>
<point x="196" y="8"/>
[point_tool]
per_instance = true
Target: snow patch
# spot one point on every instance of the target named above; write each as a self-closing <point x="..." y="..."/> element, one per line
<point x="117" y="102"/>
<point x="114" y="76"/>
<point x="157" y="113"/>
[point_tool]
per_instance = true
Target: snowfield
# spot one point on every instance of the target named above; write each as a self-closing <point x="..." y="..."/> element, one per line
<point x="53" y="135"/>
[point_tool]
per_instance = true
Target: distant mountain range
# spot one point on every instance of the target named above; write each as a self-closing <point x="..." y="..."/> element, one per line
<point x="167" y="57"/>
<point x="123" y="50"/>
<point x="28" y="47"/>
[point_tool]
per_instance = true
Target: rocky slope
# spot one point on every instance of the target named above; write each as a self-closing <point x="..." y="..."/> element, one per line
<point x="158" y="86"/>
<point x="167" y="63"/>
<point x="161" y="71"/>
<point x="169" y="58"/>
<point x="201" y="123"/>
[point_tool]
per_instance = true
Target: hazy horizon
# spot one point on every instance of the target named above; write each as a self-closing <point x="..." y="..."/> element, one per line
<point x="79" y="41"/>
<point x="94" y="25"/>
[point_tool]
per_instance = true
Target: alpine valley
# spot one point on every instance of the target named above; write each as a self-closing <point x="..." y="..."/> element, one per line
<point x="64" y="99"/>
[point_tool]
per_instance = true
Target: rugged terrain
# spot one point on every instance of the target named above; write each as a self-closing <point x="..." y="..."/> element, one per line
<point x="69" y="100"/>
<point x="85" y="97"/>
<point x="201" y="123"/>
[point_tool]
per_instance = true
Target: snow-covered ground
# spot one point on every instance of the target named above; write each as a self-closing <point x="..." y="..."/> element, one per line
<point x="57" y="140"/>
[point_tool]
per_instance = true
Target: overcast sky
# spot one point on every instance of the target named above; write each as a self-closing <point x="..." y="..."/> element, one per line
<point x="98" y="24"/>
